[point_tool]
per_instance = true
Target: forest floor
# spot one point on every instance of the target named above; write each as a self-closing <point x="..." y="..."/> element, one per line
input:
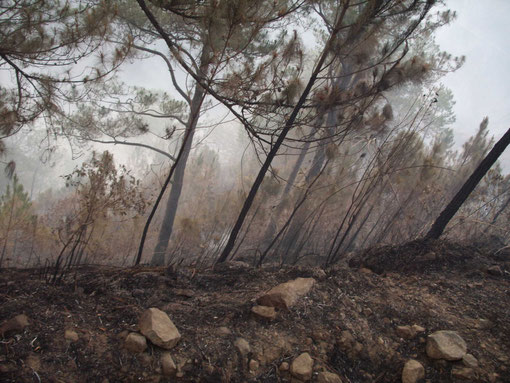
<point x="347" y="322"/>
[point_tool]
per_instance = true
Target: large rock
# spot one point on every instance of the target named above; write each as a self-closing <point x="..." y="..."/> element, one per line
<point x="135" y="343"/>
<point x="446" y="345"/>
<point x="413" y="371"/>
<point x="286" y="294"/>
<point x="158" y="328"/>
<point x="302" y="367"/>
<point x="328" y="377"/>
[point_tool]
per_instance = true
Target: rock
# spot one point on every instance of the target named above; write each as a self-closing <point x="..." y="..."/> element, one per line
<point x="446" y="345"/>
<point x="16" y="324"/>
<point x="34" y="362"/>
<point x="413" y="371"/>
<point x="224" y="331"/>
<point x="286" y="294"/>
<point x="167" y="364"/>
<point x="365" y="270"/>
<point x="71" y="336"/>
<point x="482" y="323"/>
<point x="495" y="270"/>
<point x="328" y="377"/>
<point x="284" y="366"/>
<point x="253" y="365"/>
<point x="464" y="373"/>
<point x="405" y="332"/>
<point x="158" y="328"/>
<point x="242" y="346"/>
<point x="469" y="361"/>
<point x="417" y="329"/>
<point x="135" y="343"/>
<point x="264" y="312"/>
<point x="302" y="367"/>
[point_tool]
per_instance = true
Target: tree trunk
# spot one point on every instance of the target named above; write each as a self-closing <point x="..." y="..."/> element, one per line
<point x="451" y="209"/>
<point x="158" y="258"/>
<point x="289" y="124"/>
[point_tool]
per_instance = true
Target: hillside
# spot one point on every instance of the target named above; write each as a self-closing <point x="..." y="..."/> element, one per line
<point x="362" y="320"/>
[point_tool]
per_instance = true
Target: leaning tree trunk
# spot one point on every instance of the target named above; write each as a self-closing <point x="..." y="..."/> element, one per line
<point x="447" y="214"/>
<point x="289" y="124"/>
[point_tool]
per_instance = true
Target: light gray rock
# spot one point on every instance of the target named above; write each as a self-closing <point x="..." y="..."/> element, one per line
<point x="413" y="371"/>
<point x="286" y="294"/>
<point x="302" y="367"/>
<point x="446" y="345"/>
<point x="158" y="328"/>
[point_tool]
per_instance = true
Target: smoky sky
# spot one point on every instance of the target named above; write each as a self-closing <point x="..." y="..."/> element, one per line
<point x="481" y="87"/>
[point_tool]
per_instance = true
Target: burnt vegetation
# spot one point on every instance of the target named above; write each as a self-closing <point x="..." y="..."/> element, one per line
<point x="285" y="134"/>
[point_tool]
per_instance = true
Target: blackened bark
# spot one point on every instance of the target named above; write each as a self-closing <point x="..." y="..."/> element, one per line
<point x="451" y="209"/>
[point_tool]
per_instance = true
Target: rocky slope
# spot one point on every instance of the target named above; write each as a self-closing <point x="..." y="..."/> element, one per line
<point x="422" y="312"/>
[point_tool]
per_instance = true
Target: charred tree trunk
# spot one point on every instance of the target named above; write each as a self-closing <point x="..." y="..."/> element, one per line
<point x="451" y="209"/>
<point x="272" y="153"/>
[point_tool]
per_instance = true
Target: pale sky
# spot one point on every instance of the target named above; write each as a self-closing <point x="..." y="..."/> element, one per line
<point x="481" y="87"/>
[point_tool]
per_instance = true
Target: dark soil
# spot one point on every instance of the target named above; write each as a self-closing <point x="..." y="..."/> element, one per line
<point x="347" y="323"/>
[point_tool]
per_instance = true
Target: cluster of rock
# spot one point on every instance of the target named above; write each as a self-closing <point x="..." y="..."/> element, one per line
<point x="444" y="345"/>
<point x="155" y="326"/>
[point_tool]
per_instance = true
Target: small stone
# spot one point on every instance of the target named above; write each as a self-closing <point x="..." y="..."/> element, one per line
<point x="413" y="371"/>
<point x="242" y="346"/>
<point x="135" y="343"/>
<point x="224" y="331"/>
<point x="495" y="270"/>
<point x="482" y="323"/>
<point x="284" y="366"/>
<point x="405" y="332"/>
<point x="253" y="365"/>
<point x="264" y="312"/>
<point x="464" y="373"/>
<point x="365" y="270"/>
<point x="302" y="367"/>
<point x="71" y="336"/>
<point x="328" y="377"/>
<point x="446" y="345"/>
<point x="34" y="362"/>
<point x="15" y="325"/>
<point x="167" y="364"/>
<point x="158" y="328"/>
<point x="417" y="329"/>
<point x="469" y="361"/>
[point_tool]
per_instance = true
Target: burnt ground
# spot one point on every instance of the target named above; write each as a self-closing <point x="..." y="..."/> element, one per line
<point x="347" y="322"/>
